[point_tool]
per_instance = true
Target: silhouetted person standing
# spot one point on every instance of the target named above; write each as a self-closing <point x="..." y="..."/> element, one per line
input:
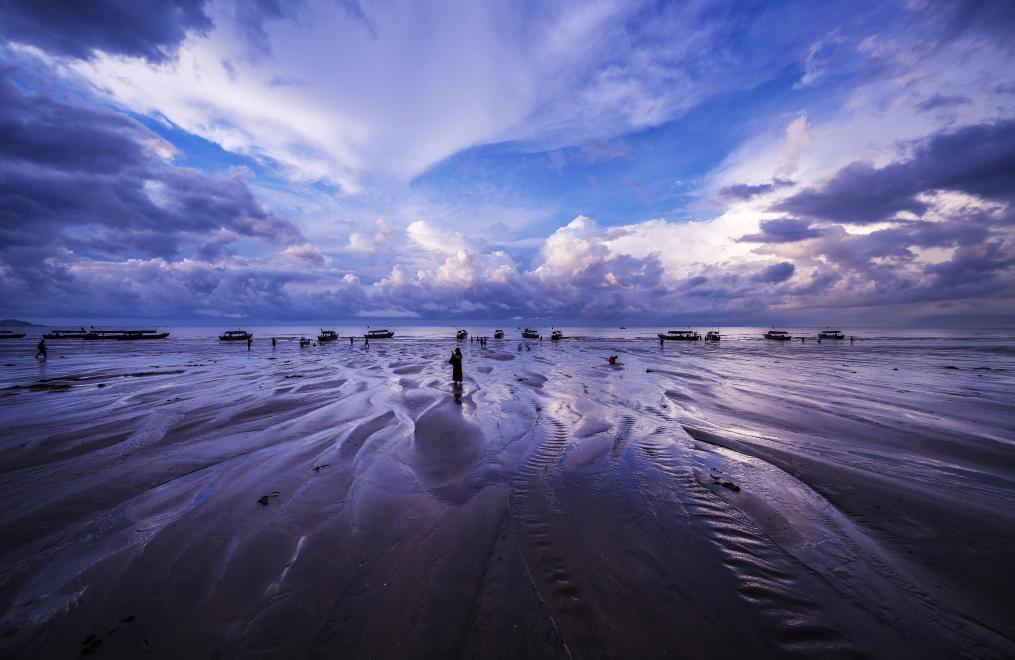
<point x="41" y="350"/>
<point x="456" y="366"/>
<point x="250" y="340"/>
<point x="274" y="342"/>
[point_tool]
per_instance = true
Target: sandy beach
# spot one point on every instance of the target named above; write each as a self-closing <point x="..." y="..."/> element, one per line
<point x="191" y="498"/>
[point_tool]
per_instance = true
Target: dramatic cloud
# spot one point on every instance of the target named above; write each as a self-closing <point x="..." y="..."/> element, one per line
<point x="978" y="160"/>
<point x="96" y="182"/>
<point x="151" y="29"/>
<point x="645" y="161"/>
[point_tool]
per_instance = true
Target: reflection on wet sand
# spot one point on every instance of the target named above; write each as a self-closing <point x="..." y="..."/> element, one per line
<point x="805" y="500"/>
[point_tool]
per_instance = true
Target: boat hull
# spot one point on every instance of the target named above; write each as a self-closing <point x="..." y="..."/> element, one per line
<point x="225" y="338"/>
<point x="161" y="335"/>
<point x="16" y="335"/>
<point x="671" y="338"/>
<point x="386" y="335"/>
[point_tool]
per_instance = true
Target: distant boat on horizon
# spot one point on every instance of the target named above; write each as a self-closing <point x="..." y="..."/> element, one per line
<point x="680" y="335"/>
<point x="382" y="333"/>
<point x="7" y="334"/>
<point x="831" y="334"/>
<point x="236" y="335"/>
<point x="528" y="333"/>
<point x="778" y="335"/>
<point x="125" y="335"/>
<point x="66" y="333"/>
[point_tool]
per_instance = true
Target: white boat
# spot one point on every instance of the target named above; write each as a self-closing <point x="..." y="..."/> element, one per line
<point x="379" y="334"/>
<point x="831" y="334"/>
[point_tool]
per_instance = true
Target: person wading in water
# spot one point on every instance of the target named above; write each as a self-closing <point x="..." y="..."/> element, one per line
<point x="456" y="366"/>
<point x="41" y="350"/>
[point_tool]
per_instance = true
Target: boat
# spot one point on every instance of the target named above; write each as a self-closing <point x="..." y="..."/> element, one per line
<point x="556" y="334"/>
<point x="712" y="335"/>
<point x="778" y="335"/>
<point x="530" y="334"/>
<point x="831" y="334"/>
<point x="680" y="335"/>
<point x="379" y="334"/>
<point x="236" y="335"/>
<point x="125" y="335"/>
<point x="7" y="334"/>
<point x="66" y="333"/>
<point x="461" y="334"/>
<point x="327" y="335"/>
<point x="498" y="334"/>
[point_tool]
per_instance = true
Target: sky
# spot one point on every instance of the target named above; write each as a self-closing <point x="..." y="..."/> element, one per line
<point x="704" y="161"/>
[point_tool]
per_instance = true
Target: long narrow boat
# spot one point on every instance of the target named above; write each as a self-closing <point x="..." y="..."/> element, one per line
<point x="125" y="334"/>
<point x="379" y="334"/>
<point x="7" y="334"/>
<point x="528" y="333"/>
<point x="831" y="334"/>
<point x="327" y="335"/>
<point x="66" y="333"/>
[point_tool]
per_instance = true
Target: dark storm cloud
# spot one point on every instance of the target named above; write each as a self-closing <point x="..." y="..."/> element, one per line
<point x="775" y="273"/>
<point x="152" y="29"/>
<point x="744" y="191"/>
<point x="88" y="179"/>
<point x="784" y="230"/>
<point x="977" y="160"/>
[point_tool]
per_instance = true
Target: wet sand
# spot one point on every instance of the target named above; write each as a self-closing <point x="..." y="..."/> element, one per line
<point x="752" y="499"/>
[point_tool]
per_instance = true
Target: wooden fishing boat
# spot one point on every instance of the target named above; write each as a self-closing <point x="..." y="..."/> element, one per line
<point x="831" y="334"/>
<point x="236" y="335"/>
<point x="498" y="334"/>
<point x="7" y="334"/>
<point x="556" y="335"/>
<point x="379" y="334"/>
<point x="125" y="335"/>
<point x="530" y="334"/>
<point x="461" y="334"/>
<point x="327" y="335"/>
<point x="712" y="335"/>
<point x="680" y="335"/>
<point x="66" y="333"/>
<point x="778" y="335"/>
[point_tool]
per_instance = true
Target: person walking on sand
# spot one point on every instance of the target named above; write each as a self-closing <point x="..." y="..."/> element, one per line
<point x="250" y="340"/>
<point x="274" y="342"/>
<point x="41" y="349"/>
<point x="456" y="366"/>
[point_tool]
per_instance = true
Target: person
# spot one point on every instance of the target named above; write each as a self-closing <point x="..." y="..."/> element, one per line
<point x="851" y="339"/>
<point x="350" y="341"/>
<point x="250" y="340"/>
<point x="41" y="349"/>
<point x="660" y="341"/>
<point x="456" y="366"/>
<point x="613" y="359"/>
<point x="274" y="342"/>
